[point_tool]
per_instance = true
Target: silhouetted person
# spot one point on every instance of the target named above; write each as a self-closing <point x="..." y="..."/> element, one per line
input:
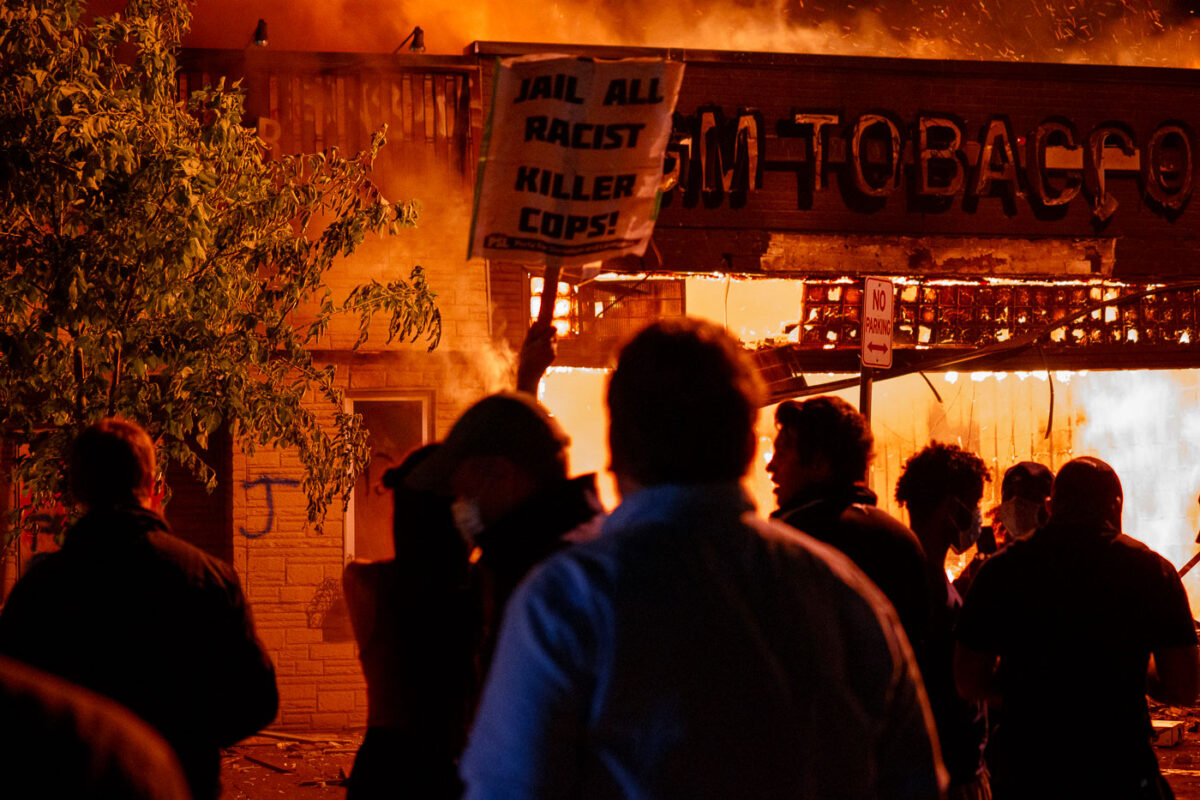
<point x="1073" y="626"/>
<point x="1024" y="491"/>
<point x="819" y="468"/>
<point x="695" y="650"/>
<point x="135" y="614"/>
<point x="58" y="740"/>
<point x="414" y="620"/>
<point x="505" y="463"/>
<point x="941" y="487"/>
<point x="1023" y="494"/>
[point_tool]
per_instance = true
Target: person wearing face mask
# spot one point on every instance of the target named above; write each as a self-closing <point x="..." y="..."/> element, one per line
<point x="1022" y="510"/>
<point x="941" y="487"/>
<point x="693" y="649"/>
<point x="505" y="464"/>
<point x="1023" y="495"/>
<point x="1078" y="622"/>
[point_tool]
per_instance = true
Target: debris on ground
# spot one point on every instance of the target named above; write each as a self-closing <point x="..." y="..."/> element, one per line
<point x="1168" y="732"/>
<point x="293" y="765"/>
<point x="314" y="766"/>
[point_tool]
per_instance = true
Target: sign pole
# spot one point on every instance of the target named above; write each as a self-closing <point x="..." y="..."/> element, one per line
<point x="864" y="392"/>
<point x="549" y="295"/>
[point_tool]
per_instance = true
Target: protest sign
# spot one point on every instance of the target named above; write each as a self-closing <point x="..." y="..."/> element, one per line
<point x="572" y="159"/>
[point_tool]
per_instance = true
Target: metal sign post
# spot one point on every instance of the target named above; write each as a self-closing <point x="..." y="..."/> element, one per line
<point x="864" y="393"/>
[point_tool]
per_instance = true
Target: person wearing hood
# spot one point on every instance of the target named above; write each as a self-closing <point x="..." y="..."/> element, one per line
<point x="1023" y="495"/>
<point x="941" y="486"/>
<point x="505" y="464"/>
<point x="1078" y="622"/>
<point x="1024" y="492"/>
<point x="819" y="467"/>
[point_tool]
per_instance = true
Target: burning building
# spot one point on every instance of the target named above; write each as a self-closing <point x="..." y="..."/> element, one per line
<point x="1036" y="221"/>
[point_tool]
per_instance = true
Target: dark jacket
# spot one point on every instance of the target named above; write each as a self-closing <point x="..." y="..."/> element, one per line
<point x="58" y="740"/>
<point x="523" y="538"/>
<point x="135" y="614"/>
<point x="415" y="621"/>
<point x="1074" y="613"/>
<point x="879" y="544"/>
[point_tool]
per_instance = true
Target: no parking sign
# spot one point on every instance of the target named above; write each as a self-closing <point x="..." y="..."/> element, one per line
<point x="877" y="302"/>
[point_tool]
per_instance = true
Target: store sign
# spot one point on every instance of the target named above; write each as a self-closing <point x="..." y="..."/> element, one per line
<point x="932" y="158"/>
<point x="915" y="165"/>
<point x="571" y="170"/>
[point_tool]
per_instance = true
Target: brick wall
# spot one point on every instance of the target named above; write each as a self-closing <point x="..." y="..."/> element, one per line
<point x="284" y="562"/>
<point x="291" y="571"/>
<point x="510" y="301"/>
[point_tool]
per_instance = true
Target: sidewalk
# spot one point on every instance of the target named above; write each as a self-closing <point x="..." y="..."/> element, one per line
<point x="306" y="766"/>
<point x="312" y="766"/>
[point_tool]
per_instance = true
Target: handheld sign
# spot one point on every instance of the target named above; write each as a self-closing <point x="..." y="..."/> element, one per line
<point x="572" y="159"/>
<point x="877" y="323"/>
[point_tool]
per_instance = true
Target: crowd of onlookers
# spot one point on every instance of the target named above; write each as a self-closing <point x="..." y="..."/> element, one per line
<point x="524" y="643"/>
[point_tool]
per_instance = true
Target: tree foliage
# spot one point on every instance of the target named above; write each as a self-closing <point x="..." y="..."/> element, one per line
<point x="154" y="265"/>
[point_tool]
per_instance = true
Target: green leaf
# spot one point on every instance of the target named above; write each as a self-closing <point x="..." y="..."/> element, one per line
<point x="165" y="267"/>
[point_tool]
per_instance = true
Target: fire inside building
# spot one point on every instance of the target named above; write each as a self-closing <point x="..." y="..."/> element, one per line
<point x="1036" y="221"/>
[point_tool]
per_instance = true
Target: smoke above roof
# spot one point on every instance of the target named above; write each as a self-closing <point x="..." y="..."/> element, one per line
<point x="1127" y="32"/>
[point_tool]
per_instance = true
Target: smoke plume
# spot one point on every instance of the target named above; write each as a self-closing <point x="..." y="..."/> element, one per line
<point x="1134" y="32"/>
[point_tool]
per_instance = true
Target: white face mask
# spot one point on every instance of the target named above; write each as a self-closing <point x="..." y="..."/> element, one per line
<point x="1018" y="516"/>
<point x="970" y="534"/>
<point x="467" y="518"/>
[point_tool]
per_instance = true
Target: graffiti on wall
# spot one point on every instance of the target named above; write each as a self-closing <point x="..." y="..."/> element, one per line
<point x="268" y="482"/>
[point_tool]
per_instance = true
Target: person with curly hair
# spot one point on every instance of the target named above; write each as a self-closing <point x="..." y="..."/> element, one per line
<point x="941" y="486"/>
